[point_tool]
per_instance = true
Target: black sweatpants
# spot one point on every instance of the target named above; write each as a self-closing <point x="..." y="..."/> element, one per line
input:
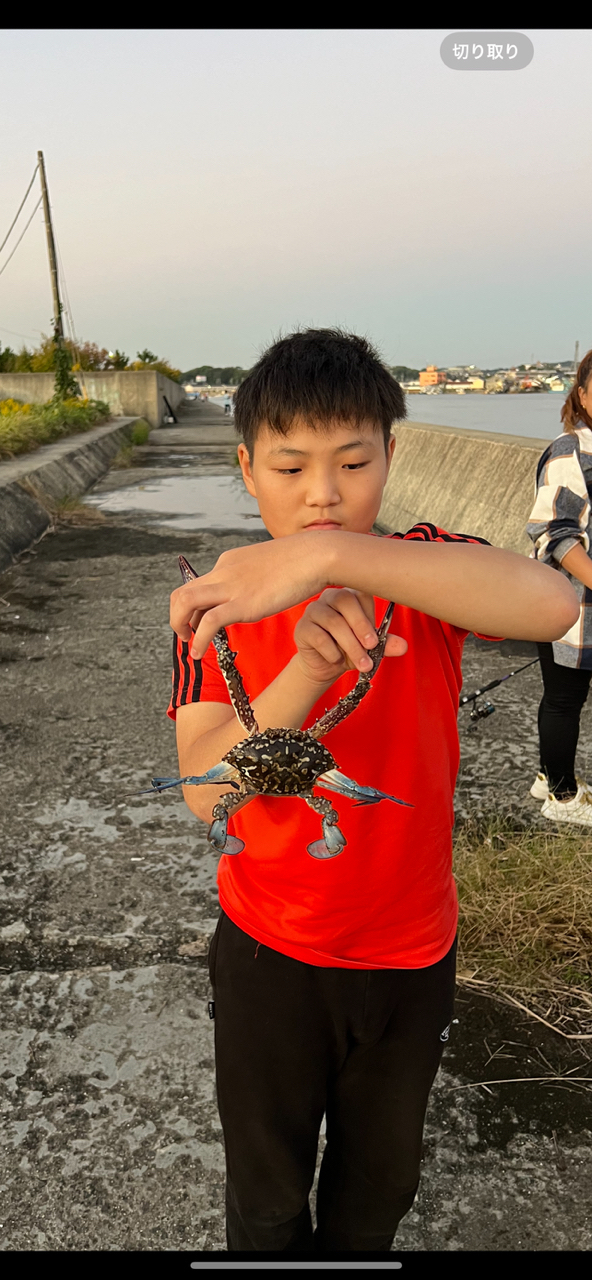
<point x="295" y="1042"/>
<point x="565" y="692"/>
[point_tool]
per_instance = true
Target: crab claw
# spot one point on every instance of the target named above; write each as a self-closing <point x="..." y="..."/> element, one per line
<point x="219" y="838"/>
<point x="332" y="844"/>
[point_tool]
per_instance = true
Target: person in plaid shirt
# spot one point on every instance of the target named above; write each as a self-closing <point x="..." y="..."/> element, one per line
<point x="560" y="526"/>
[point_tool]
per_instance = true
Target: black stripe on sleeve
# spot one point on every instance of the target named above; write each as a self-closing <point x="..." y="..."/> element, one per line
<point x="176" y="672"/>
<point x="186" y="669"/>
<point x="426" y="532"/>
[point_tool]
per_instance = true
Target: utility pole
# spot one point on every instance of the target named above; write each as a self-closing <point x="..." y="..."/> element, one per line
<point x="53" y="266"/>
<point x="577" y="357"/>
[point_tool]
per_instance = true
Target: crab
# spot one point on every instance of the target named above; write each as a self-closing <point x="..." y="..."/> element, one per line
<point x="282" y="762"/>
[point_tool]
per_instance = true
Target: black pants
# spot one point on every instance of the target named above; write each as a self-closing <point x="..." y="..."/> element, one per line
<point x="565" y="692"/>
<point x="295" y="1042"/>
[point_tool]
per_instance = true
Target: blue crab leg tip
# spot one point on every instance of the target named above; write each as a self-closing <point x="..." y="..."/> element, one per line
<point x="377" y="799"/>
<point x="161" y="784"/>
<point x="333" y="780"/>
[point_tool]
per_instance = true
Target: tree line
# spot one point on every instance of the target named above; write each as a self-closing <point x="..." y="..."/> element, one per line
<point x="87" y="357"/>
<point x="233" y="375"/>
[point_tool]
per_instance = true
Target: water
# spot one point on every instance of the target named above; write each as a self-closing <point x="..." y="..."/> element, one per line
<point x="186" y="502"/>
<point x="518" y="415"/>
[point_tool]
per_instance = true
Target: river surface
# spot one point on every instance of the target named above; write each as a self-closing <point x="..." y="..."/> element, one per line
<point x="523" y="414"/>
<point x="519" y="415"/>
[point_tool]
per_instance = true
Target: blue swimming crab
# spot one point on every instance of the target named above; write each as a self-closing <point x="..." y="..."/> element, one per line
<point x="282" y="762"/>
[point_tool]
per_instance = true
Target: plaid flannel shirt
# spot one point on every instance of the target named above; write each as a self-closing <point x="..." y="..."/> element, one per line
<point x="562" y="517"/>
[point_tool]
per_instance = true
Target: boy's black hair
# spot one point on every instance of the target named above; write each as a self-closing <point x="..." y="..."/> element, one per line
<point x="319" y="375"/>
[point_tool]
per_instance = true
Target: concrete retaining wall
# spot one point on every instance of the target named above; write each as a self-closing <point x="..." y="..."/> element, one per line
<point x="32" y="485"/>
<point x="463" y="481"/>
<point x="138" y="393"/>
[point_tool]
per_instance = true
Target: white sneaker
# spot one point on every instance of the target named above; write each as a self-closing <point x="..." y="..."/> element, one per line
<point x="578" y="810"/>
<point x="540" y="787"/>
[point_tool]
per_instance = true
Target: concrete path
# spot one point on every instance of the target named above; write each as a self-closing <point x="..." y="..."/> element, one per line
<point x="108" y="1120"/>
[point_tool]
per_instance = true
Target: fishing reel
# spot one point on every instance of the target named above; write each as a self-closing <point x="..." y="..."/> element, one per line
<point x="480" y="711"/>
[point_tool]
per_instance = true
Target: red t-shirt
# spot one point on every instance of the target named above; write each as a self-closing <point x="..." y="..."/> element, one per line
<point x="389" y="899"/>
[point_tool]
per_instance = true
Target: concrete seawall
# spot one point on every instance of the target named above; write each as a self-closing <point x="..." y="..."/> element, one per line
<point x="464" y="481"/>
<point x="32" y="485"/>
<point x="140" y="393"/>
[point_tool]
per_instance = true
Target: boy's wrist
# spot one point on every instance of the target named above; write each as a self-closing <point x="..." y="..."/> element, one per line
<point x="330" y="552"/>
<point x="309" y="680"/>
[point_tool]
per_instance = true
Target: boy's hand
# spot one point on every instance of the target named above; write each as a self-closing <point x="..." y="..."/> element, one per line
<point x="250" y="583"/>
<point x="335" y="633"/>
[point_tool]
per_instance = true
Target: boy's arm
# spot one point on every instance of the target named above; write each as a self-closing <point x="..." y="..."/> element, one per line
<point x="474" y="587"/>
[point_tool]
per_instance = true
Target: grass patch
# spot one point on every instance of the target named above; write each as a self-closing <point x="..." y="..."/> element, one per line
<point x="123" y="458"/>
<point x="525" y="923"/>
<point x="24" y="427"/>
<point x="126" y="456"/>
<point x="140" y="432"/>
<point x="71" y="511"/>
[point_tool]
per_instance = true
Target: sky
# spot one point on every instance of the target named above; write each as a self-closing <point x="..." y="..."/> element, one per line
<point x="214" y="188"/>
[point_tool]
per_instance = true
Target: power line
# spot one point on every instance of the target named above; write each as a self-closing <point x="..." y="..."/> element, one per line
<point x="11" y="255"/>
<point x="20" y="208"/>
<point x="16" y="334"/>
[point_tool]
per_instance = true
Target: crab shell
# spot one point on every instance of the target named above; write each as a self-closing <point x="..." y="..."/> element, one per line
<point x="280" y="762"/>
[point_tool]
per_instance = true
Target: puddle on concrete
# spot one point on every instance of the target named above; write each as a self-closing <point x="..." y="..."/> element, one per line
<point x="186" y="502"/>
<point x="156" y="457"/>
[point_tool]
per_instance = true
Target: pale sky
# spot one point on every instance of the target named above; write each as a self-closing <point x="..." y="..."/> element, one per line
<point x="212" y="188"/>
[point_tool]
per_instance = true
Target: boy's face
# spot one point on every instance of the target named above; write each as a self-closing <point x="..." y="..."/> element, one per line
<point x="330" y="478"/>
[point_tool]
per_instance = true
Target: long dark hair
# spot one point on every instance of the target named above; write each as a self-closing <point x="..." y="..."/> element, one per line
<point x="573" y="411"/>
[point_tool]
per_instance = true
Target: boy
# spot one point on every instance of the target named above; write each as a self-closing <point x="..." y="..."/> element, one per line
<point x="334" y="980"/>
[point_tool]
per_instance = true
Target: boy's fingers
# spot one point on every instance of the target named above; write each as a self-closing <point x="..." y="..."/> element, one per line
<point x="347" y="605"/>
<point x="209" y="623"/>
<point x="323" y="643"/>
<point x="337" y="626"/>
<point x="355" y="603"/>
<point x="395" y="647"/>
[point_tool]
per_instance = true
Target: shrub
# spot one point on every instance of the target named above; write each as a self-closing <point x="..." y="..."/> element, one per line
<point x="140" y="432"/>
<point x="147" y="360"/>
<point x="25" y="427"/>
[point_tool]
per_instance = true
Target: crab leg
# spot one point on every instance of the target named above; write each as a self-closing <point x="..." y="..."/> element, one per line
<point x="225" y="655"/>
<point x="333" y="839"/>
<point x="333" y="780"/>
<point x="218" y="834"/>
<point x="219" y="773"/>
<point x="346" y="705"/>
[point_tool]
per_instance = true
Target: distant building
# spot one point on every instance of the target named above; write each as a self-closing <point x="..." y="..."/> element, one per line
<point x="461" y="385"/>
<point x="430" y="377"/>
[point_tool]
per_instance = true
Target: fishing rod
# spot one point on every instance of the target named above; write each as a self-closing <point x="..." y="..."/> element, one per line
<point x="481" y="712"/>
